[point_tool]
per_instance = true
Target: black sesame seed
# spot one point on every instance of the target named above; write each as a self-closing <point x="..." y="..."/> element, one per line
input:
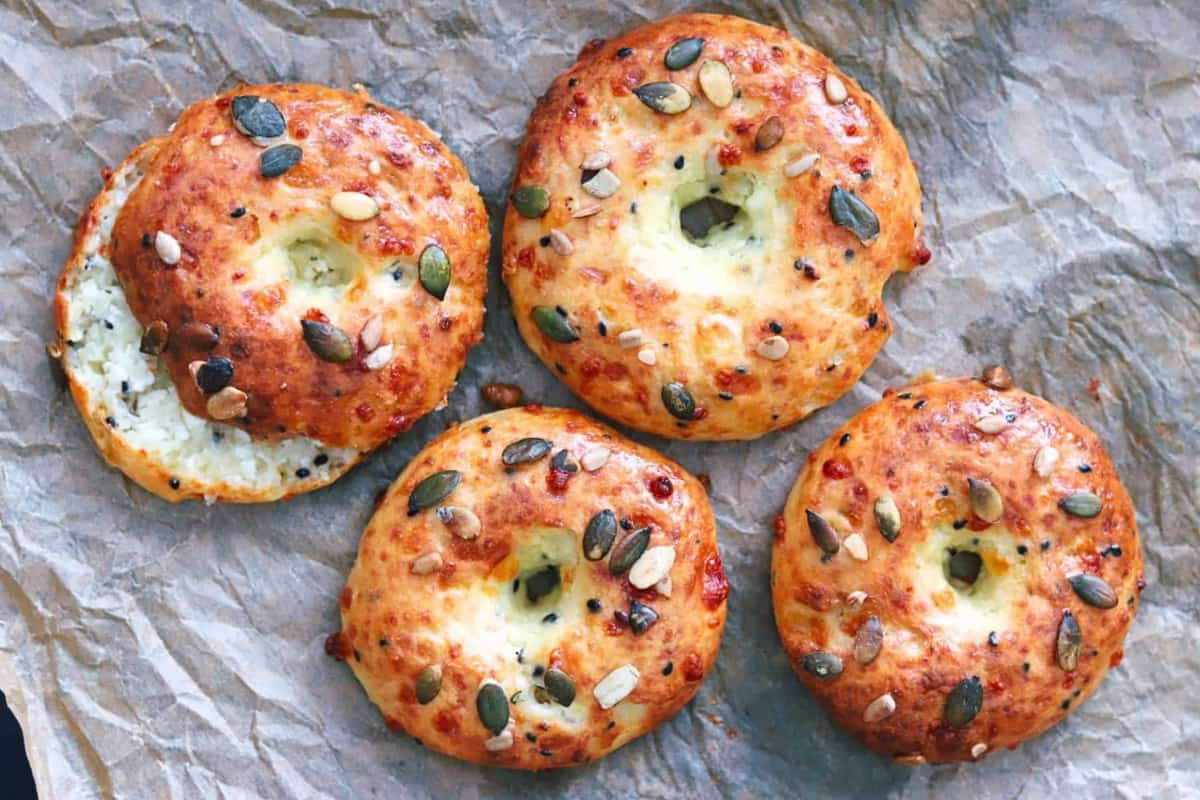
<point x="303" y="472"/>
<point x="1022" y="549"/>
<point x="321" y="460"/>
<point x="627" y="524"/>
<point x="625" y="52"/>
<point x="1113" y="550"/>
<point x="550" y="618"/>
<point x="993" y="639"/>
<point x="357" y="655"/>
<point x="602" y="328"/>
<point x="1010" y="418"/>
<point x="240" y="211"/>
<point x="1085" y="468"/>
<point x="669" y="668"/>
<point x="741" y="369"/>
<point x="775" y="327"/>
<point x="560" y="368"/>
<point x="1066" y="704"/>
<point x="944" y="491"/>
<point x="725" y="395"/>
<point x="544" y="241"/>
<point x="633" y="208"/>
<point x="959" y="524"/>
<point x="546" y="753"/>
<point x="849" y="254"/>
<point x="562" y="312"/>
<point x="174" y="483"/>
<point x="865" y="174"/>
<point x="108" y="325"/>
<point x="529" y="734"/>
<point x="904" y="395"/>
<point x="1045" y="544"/>
<point x="679" y="162"/>
<point x="516" y="585"/>
<point x="521" y="656"/>
<point x="593" y="605"/>
<point x="612" y="723"/>
<point x="573" y="82"/>
<point x="1025" y="666"/>
<point x="146" y="240"/>
<point x="844" y="440"/>
<point x="383" y="642"/>
<point x="919" y="405"/>
<point x="486" y="429"/>
<point x="872" y="318"/>
<point x="124" y="387"/>
<point x="112" y="421"/>
<point x="1076" y="693"/>
<point x="398" y="274"/>
<point x="538" y="671"/>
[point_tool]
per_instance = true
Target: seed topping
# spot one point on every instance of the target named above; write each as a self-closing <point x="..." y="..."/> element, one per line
<point x="628" y="551"/>
<point x="654" y="565"/>
<point x="773" y="348"/>
<point x="631" y="338"/>
<point x="854" y="215"/>
<point x="226" y="404"/>
<point x="664" y="97"/>
<point x="1093" y="590"/>
<point x="354" y="206"/>
<point x="683" y="53"/>
<point x="432" y="490"/>
<point x="492" y="706"/>
<point x="561" y="242"/>
<point x="1069" y="642"/>
<point x="964" y="702"/>
<point x="214" y="374"/>
<point x="154" y="339"/>
<point x="429" y="684"/>
<point x="616" y="686"/>
<point x="599" y="535"/>
<point x="868" y="641"/>
<point x="554" y="325"/>
<point x="433" y="270"/>
<point x="801" y="165"/>
<point x="595" y="458"/>
<point x="986" y="502"/>
<point x="279" y="159"/>
<point x="460" y="521"/>
<point x="822" y="532"/>
<point x="596" y="161"/>
<point x="426" y="563"/>
<point x="326" y="341"/>
<point x="716" y="82"/>
<point x="678" y="401"/>
<point x="997" y="377"/>
<point x="887" y="516"/>
<point x="1081" y="504"/>
<point x="880" y="708"/>
<point x="822" y="665"/>
<point x="531" y="202"/>
<point x="257" y="118"/>
<point x="991" y="424"/>
<point x="835" y="89"/>
<point x="559" y="686"/>
<point x="603" y="184"/>
<point x="525" y="451"/>
<point x="1045" y="461"/>
<point x="856" y="546"/>
<point x="769" y="134"/>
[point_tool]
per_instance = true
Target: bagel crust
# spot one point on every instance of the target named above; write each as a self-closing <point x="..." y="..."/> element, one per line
<point x="491" y="584"/>
<point x="926" y="631"/>
<point x="680" y="315"/>
<point x="216" y="237"/>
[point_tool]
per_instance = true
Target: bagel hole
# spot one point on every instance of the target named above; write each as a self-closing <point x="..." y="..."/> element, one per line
<point x="964" y="569"/>
<point x="318" y="260"/>
<point x="545" y="563"/>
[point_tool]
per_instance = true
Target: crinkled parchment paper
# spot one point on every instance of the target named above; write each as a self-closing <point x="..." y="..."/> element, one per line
<point x="176" y="651"/>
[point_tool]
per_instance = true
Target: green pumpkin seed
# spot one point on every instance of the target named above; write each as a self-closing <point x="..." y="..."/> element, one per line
<point x="698" y="218"/>
<point x="434" y="271"/>
<point x="429" y="683"/>
<point x="822" y="665"/>
<point x="664" y="97"/>
<point x="492" y="705"/>
<point x="599" y="535"/>
<point x="1093" y="590"/>
<point x="560" y="686"/>
<point x="531" y="202"/>
<point x="678" y="401"/>
<point x="279" y="159"/>
<point x="964" y="702"/>
<point x="542" y="583"/>
<point x="524" y="451"/>
<point x="432" y="490"/>
<point x="683" y="53"/>
<point x="887" y="516"/>
<point x="641" y="617"/>
<point x="868" y="641"/>
<point x="554" y="325"/>
<point x="326" y="341"/>
<point x="853" y="214"/>
<point x="628" y="551"/>
<point x="965" y="566"/>
<point x="1070" y="642"/>
<point x="256" y="117"/>
<point x="822" y="532"/>
<point x="1081" y="504"/>
<point x="986" y="502"/>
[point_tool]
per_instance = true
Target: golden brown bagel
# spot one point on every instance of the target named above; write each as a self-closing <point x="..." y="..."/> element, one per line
<point x="959" y="636"/>
<point x="770" y="315"/>
<point x="490" y="583"/>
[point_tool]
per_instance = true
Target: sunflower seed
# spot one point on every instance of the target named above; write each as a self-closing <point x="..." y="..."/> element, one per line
<point x="986" y="502"/>
<point x="880" y="708"/>
<point x="554" y="325"/>
<point x="965" y="566"/>
<point x="196" y="336"/>
<point x="1069" y="643"/>
<point x="769" y="134"/>
<point x="853" y="214"/>
<point x="279" y="159"/>
<point x="641" y="617"/>
<point x="678" y="401"/>
<point x="226" y="404"/>
<point x="503" y="395"/>
<point x="426" y="563"/>
<point x="716" y="82"/>
<point x="596" y="161"/>
<point x="217" y="141"/>
<point x="433" y="269"/>
<point x="1081" y="504"/>
<point x="683" y="53"/>
<point x="461" y="521"/>
<point x="887" y="517"/>
<point x="354" y="206"/>
<point x="664" y="586"/>
<point x="542" y="583"/>
<point x="491" y="703"/>
<point x="835" y="89"/>
<point x="773" y="348"/>
<point x="595" y="458"/>
<point x="214" y="374"/>
<point x="560" y="686"/>
<point x="524" y="451"/>
<point x="654" y="565"/>
<point x="1093" y="590"/>
<point x="977" y="750"/>
<point x="500" y="742"/>
<point x="167" y="247"/>
<point x="664" y="97"/>
<point x="993" y="423"/>
<point x="603" y="184"/>
<point x="585" y="211"/>
<point x="631" y="338"/>
<point x="1045" y="461"/>
<point x="822" y="532"/>
<point x="855" y="600"/>
<point x="372" y="333"/>
<point x="801" y="165"/>
<point x="257" y="117"/>
<point x="822" y="665"/>
<point x="616" y="686"/>
<point x="856" y="546"/>
<point x="628" y="551"/>
<point x="647" y="356"/>
<point x="531" y="202"/>
<point x="963" y="702"/>
<point x="599" y="535"/>
<point x="378" y="358"/>
<point x="868" y="641"/>
<point x="561" y="242"/>
<point x="154" y="339"/>
<point x="327" y="342"/>
<point x="432" y="490"/>
<point x="429" y="683"/>
<point x="997" y="377"/>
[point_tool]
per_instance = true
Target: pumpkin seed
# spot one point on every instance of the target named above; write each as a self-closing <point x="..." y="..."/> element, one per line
<point x="599" y="535"/>
<point x="822" y="665"/>
<point x="965" y="566"/>
<point x="326" y="341"/>
<point x="542" y="583"/>
<point x="986" y="502"/>
<point x="1093" y="590"/>
<point x="880" y="708"/>
<point x="523" y="451"/>
<point x="214" y="374"/>
<point x="678" y="401"/>
<point x="683" y="53"/>
<point x="279" y="159"/>
<point x="822" y="532"/>
<point x="1045" y="461"/>
<point x="257" y="117"/>
<point x="462" y="522"/>
<point x="603" y="184"/>
<point x="664" y="97"/>
<point x="700" y="217"/>
<point x="154" y="340"/>
<point x="887" y="517"/>
<point x="560" y="686"/>
<point x="769" y="134"/>
<point x="1081" y="504"/>
<point x="716" y="82"/>
<point x="492" y="705"/>
<point x="531" y="202"/>
<point x="227" y="403"/>
<point x="964" y="702"/>
<point x="432" y="490"/>
<point x="168" y="248"/>
<point x="433" y="268"/>
<point x="1070" y="642"/>
<point x="554" y="325"/>
<point x="628" y="551"/>
<point x="429" y="683"/>
<point x="853" y="214"/>
<point x="616" y="686"/>
<point x="835" y="89"/>
<point x="654" y="565"/>
<point x="997" y="377"/>
<point x="868" y="641"/>
<point x="641" y="617"/>
<point x="354" y="206"/>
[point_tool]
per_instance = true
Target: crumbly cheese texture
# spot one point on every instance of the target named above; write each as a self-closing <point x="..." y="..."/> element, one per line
<point x="920" y="446"/>
<point x="775" y="266"/>
<point x="473" y="617"/>
<point x="128" y="400"/>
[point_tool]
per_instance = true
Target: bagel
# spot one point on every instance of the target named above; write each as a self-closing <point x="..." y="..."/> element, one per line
<point x="926" y="630"/>
<point x="534" y="591"/>
<point x="287" y="279"/>
<point x="702" y="220"/>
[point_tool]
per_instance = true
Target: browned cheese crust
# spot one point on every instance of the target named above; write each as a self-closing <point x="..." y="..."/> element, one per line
<point x="769" y="315"/>
<point x="491" y="584"/>
<point x="259" y="254"/>
<point x="956" y="639"/>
